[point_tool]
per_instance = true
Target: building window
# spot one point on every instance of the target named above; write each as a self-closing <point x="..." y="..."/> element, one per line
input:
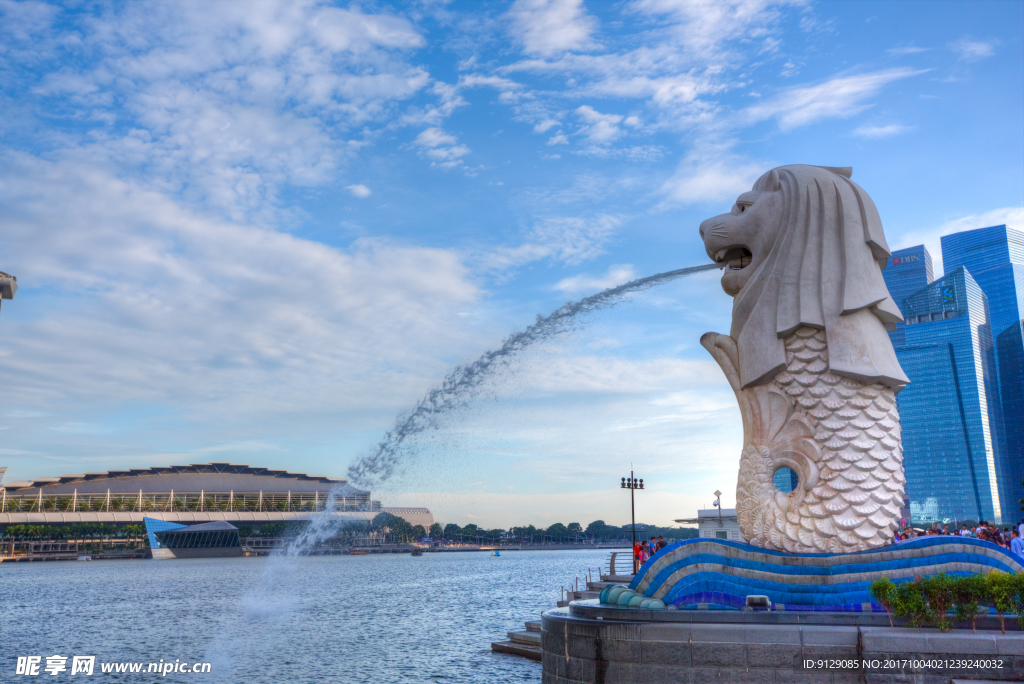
<point x="721" y="534"/>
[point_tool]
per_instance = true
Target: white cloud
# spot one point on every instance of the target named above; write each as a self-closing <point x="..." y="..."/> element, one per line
<point x="154" y="304"/>
<point x="227" y="103"/>
<point x="558" y="139"/>
<point x="545" y="125"/>
<point x="704" y="28"/>
<point x="600" y="128"/>
<point x="908" y="50"/>
<point x="547" y="27"/>
<point x="443" y="149"/>
<point x="840" y="97"/>
<point x="570" y="239"/>
<point x="359" y="190"/>
<point x="973" y="50"/>
<point x="616" y="275"/>
<point x="931" y="238"/>
<point x="878" y="132"/>
<point x="710" y="173"/>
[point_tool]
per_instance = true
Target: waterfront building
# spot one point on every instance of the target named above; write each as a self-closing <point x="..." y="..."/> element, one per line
<point x="217" y="539"/>
<point x="716" y="524"/>
<point x="195" y="493"/>
<point x="950" y="453"/>
<point x="995" y="258"/>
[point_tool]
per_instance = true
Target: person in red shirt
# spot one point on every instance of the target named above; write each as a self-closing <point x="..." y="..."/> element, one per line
<point x="637" y="550"/>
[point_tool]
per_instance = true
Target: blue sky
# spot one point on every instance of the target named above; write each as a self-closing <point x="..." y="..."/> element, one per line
<point x="255" y="232"/>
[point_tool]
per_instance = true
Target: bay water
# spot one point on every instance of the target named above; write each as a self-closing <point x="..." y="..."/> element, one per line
<point x="375" y="618"/>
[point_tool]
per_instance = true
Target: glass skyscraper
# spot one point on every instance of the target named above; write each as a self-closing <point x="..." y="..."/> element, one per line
<point x="995" y="258"/>
<point x="907" y="271"/>
<point x="962" y="346"/>
<point x="949" y="451"/>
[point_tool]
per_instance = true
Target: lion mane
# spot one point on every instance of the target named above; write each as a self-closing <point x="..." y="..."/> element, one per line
<point x="824" y="271"/>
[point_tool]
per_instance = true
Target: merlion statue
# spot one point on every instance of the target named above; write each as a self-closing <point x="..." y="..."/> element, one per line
<point x="808" y="356"/>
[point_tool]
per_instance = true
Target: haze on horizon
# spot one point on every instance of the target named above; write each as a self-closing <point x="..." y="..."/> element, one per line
<point x="256" y="231"/>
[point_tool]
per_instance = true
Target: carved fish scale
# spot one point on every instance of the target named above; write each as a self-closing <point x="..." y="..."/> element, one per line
<point x="856" y="501"/>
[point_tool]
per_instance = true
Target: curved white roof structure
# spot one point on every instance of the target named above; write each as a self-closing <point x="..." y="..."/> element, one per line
<point x="183" y="479"/>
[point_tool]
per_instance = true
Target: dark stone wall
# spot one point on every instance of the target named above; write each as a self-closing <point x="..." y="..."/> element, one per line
<point x="585" y="651"/>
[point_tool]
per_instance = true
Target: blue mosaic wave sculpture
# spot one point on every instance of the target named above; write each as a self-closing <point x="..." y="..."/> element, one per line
<point x="717" y="574"/>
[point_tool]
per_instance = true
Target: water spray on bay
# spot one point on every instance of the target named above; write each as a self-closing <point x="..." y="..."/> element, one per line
<point x="381" y="464"/>
<point x="377" y="467"/>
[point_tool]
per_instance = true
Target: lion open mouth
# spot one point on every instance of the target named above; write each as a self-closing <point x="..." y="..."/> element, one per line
<point x="737" y="258"/>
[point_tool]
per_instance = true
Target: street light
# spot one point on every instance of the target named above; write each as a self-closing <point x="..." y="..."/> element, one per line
<point x="718" y="505"/>
<point x="633" y="484"/>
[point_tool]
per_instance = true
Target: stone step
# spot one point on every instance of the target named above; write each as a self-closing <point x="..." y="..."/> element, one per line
<point x="533" y="626"/>
<point x="617" y="579"/>
<point x="598" y="586"/>
<point x="523" y="636"/>
<point x="517" y="648"/>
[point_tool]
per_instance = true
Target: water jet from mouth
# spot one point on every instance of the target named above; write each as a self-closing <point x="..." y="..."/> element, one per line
<point x="462" y="381"/>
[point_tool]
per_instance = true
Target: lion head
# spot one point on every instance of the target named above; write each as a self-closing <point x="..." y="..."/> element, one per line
<point x="805" y="247"/>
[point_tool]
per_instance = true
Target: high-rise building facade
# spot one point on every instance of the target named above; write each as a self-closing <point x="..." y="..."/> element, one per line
<point x="949" y="452"/>
<point x="994" y="256"/>
<point x="907" y="271"/>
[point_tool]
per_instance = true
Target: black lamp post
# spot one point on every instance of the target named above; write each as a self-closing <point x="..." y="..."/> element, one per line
<point x="632" y="484"/>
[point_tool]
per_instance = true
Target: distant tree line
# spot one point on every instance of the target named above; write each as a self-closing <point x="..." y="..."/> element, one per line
<point x="385" y="528"/>
<point x="74" y="531"/>
<point x="558" y="533"/>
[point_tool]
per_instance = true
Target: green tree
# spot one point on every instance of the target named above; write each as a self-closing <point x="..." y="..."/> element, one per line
<point x="968" y="594"/>
<point x="451" y="531"/>
<point x="1007" y="592"/>
<point x="884" y="592"/>
<point x="558" y="531"/>
<point x="909" y="603"/>
<point x="939" y="593"/>
<point x="435" y="531"/>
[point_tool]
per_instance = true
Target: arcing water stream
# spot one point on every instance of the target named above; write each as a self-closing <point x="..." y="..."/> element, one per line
<point x="456" y="388"/>
<point x="377" y="467"/>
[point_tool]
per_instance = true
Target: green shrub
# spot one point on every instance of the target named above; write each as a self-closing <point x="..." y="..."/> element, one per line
<point x="967" y="597"/>
<point x="884" y="591"/>
<point x="939" y="593"/>
<point x="969" y="594"/>
<point x="909" y="602"/>
<point x="1007" y="593"/>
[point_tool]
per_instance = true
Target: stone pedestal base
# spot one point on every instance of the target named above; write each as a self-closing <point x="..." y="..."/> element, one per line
<point x="582" y="644"/>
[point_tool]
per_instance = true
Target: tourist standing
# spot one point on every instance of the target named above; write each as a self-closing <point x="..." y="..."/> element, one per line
<point x="1017" y="544"/>
<point x="661" y="542"/>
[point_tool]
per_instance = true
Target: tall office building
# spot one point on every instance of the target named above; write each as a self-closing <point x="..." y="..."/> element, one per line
<point x="995" y="258"/>
<point x="949" y="453"/>
<point x="907" y="271"/>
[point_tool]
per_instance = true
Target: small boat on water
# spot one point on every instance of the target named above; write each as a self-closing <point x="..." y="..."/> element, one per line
<point x="496" y="553"/>
<point x="85" y="558"/>
<point x="416" y="552"/>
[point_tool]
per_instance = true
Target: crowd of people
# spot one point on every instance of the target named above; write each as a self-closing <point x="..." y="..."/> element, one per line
<point x="1010" y="538"/>
<point x="644" y="549"/>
